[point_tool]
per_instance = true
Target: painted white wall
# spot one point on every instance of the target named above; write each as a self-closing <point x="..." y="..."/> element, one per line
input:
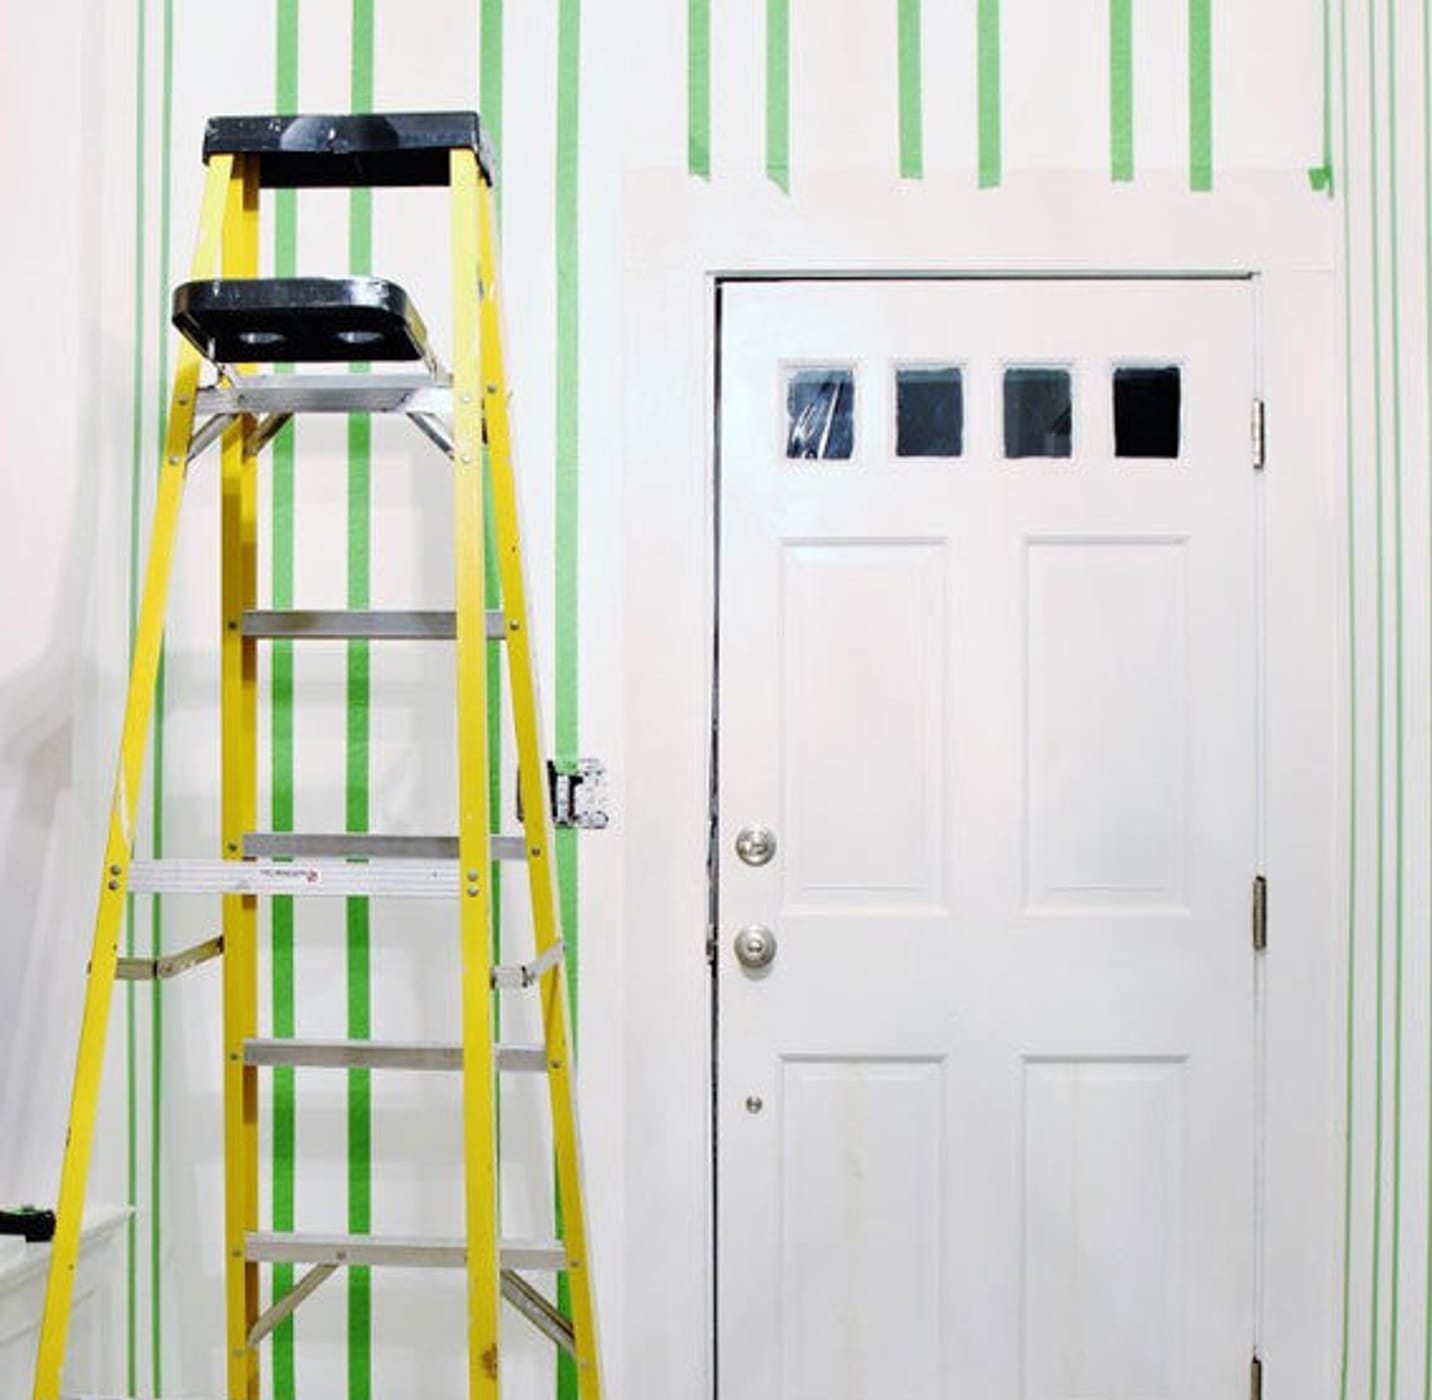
<point x="650" y="234"/>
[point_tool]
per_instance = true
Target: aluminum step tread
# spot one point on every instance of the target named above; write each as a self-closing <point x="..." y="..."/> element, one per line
<point x="397" y="1251"/>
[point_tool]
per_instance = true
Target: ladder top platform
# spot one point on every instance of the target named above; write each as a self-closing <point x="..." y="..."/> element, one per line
<point x="362" y="149"/>
<point x="242" y="320"/>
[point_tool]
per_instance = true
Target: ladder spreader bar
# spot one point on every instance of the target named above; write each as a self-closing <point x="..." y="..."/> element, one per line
<point x="339" y="845"/>
<point x="343" y="624"/>
<point x="378" y="1054"/>
<point x="397" y="1251"/>
<point x="538" y="1311"/>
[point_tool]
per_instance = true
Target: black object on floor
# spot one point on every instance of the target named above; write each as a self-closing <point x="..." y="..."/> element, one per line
<point x="36" y="1226"/>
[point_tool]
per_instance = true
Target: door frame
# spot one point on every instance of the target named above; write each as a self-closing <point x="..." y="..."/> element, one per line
<point x="684" y="244"/>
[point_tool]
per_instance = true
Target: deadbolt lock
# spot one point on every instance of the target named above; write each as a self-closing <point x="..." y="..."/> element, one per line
<point x="756" y="844"/>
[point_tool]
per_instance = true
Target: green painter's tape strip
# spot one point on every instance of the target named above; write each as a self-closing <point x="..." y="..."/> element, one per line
<point x="698" y="88"/>
<point x="136" y="468"/>
<point x="1200" y="94"/>
<point x="1121" y="89"/>
<point x="1320" y="177"/>
<point x="991" y="136"/>
<point x="912" y="126"/>
<point x="1427" y="370"/>
<point x="1394" y="1310"/>
<point x="360" y="1102"/>
<point x="156" y="928"/>
<point x="1375" y="201"/>
<point x="490" y="80"/>
<point x="566" y="494"/>
<point x="778" y="92"/>
<point x="1354" y="746"/>
<point x="281" y="755"/>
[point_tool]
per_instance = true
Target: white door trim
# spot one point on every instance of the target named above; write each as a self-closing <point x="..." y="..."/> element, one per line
<point x="682" y="241"/>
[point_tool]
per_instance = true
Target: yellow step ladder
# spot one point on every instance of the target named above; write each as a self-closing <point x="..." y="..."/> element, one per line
<point x="238" y="321"/>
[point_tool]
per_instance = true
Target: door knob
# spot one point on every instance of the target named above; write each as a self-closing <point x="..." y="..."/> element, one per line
<point x="755" y="947"/>
<point x="756" y="844"/>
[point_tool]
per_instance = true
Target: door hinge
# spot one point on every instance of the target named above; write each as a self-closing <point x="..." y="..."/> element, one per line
<point x="1255" y="1378"/>
<point x="1260" y="435"/>
<point x="1260" y="913"/>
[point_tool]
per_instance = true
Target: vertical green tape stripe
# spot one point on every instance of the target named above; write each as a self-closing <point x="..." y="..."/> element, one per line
<point x="991" y="136"/>
<point x="1320" y="177"/>
<point x="1427" y="366"/>
<point x="566" y="494"/>
<point x="360" y="1102"/>
<point x="281" y="756"/>
<point x="778" y="92"/>
<point x="156" y="925"/>
<point x="912" y="126"/>
<point x="1394" y="1310"/>
<point x="1121" y="89"/>
<point x="1200" y="94"/>
<point x="1375" y="200"/>
<point x="1354" y="749"/>
<point x="490" y="80"/>
<point x="136" y="468"/>
<point x="698" y="88"/>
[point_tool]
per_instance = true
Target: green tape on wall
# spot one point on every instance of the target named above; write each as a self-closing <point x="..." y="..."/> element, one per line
<point x="1121" y="89"/>
<point x="281" y="755"/>
<point x="1200" y="94"/>
<point x="991" y="137"/>
<point x="567" y="494"/>
<point x="778" y="92"/>
<point x="912" y="130"/>
<point x="360" y="1101"/>
<point x="698" y="88"/>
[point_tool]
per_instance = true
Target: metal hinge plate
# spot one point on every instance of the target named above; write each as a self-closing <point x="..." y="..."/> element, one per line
<point x="1260" y="435"/>
<point x="1260" y="913"/>
<point x="577" y="792"/>
<point x="1255" y="1379"/>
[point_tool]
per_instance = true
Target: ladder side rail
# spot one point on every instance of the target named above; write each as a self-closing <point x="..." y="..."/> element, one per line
<point x="238" y="674"/>
<point x="119" y="844"/>
<point x="474" y="855"/>
<point x="537" y="825"/>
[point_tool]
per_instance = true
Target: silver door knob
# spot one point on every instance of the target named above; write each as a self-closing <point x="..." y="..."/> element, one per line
<point x="756" y="844"/>
<point x="755" y="947"/>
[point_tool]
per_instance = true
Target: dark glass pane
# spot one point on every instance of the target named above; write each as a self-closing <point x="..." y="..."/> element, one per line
<point x="1038" y="413"/>
<point x="929" y="413"/>
<point x="1148" y="405"/>
<point x="820" y="413"/>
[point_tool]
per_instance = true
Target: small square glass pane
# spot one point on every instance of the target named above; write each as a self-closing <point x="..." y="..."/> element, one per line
<point x="929" y="412"/>
<point x="820" y="414"/>
<point x="1038" y="413"/>
<point x="1148" y="408"/>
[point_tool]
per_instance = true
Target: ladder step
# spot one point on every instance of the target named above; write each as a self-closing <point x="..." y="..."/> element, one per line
<point x="340" y="624"/>
<point x="398" y="1251"/>
<point x="390" y="1054"/>
<point x="352" y="149"/>
<point x="264" y="394"/>
<point x="236" y="320"/>
<point x="379" y="879"/>
<point x="299" y="845"/>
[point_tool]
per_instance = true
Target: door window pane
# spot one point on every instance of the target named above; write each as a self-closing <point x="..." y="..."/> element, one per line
<point x="1038" y="413"/>
<point x="820" y="413"/>
<point x="1148" y="408"/>
<point x="929" y="412"/>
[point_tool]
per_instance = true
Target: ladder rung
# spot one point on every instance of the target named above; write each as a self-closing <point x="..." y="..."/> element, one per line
<point x="399" y="1251"/>
<point x="316" y="846"/>
<point x="262" y="394"/>
<point x="380" y="1054"/>
<point x="340" y="624"/>
<point x="392" y="879"/>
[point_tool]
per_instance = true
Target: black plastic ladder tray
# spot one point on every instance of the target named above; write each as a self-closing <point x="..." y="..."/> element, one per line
<point x="234" y="320"/>
<point x="362" y="149"/>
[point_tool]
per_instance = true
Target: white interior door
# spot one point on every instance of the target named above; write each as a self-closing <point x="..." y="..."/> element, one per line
<point x="988" y="674"/>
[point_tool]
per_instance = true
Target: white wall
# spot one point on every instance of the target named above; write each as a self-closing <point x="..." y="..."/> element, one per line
<point x="649" y="231"/>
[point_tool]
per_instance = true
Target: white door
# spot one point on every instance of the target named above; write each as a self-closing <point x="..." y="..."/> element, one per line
<point x="987" y="673"/>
